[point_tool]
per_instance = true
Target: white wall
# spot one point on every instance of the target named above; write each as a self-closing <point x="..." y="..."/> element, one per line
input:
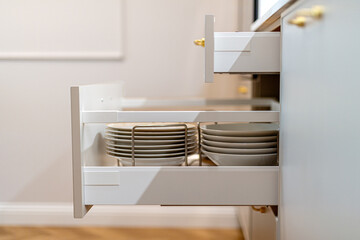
<point x="160" y="60"/>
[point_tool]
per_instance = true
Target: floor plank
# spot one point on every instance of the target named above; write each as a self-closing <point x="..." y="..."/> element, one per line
<point x="106" y="233"/>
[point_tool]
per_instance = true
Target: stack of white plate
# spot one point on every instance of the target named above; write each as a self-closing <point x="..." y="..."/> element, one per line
<point x="154" y="145"/>
<point x="240" y="144"/>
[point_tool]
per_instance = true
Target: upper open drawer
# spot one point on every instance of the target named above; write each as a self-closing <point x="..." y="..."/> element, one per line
<point x="239" y="52"/>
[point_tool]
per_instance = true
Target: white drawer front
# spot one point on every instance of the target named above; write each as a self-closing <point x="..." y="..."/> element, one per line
<point x="182" y="185"/>
<point x="247" y="52"/>
<point x="240" y="52"/>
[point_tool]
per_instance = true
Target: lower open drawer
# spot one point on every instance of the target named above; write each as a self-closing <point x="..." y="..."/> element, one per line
<point x="98" y="180"/>
<point x="181" y="185"/>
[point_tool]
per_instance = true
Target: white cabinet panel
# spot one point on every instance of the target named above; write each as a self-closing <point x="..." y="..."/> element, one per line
<point x="319" y="121"/>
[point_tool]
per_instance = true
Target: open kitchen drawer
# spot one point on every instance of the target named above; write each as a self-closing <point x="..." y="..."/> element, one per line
<point x="97" y="180"/>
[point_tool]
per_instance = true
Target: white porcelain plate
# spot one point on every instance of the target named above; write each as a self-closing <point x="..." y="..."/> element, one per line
<point x="149" y="142"/>
<point x="239" y="139"/>
<point x="156" y="137"/>
<point x="147" y="163"/>
<point x="222" y="159"/>
<point x="153" y="147"/>
<point x="137" y="133"/>
<point x="239" y="151"/>
<point x="115" y="153"/>
<point x="167" y="162"/>
<point x="241" y="129"/>
<point x="128" y="127"/>
<point x="240" y="145"/>
<point x="150" y="151"/>
<point x="170" y="161"/>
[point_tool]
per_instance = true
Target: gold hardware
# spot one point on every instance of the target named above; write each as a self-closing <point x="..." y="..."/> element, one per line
<point x="299" y="21"/>
<point x="314" y="12"/>
<point x="243" y="90"/>
<point x="200" y="42"/>
<point x="260" y="209"/>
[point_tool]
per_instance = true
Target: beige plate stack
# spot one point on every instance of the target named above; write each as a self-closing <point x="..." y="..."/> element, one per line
<point x="154" y="145"/>
<point x="240" y="144"/>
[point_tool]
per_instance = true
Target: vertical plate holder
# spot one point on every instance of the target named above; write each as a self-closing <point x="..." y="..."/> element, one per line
<point x="240" y="52"/>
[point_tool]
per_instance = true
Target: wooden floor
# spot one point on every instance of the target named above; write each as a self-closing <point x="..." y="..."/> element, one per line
<point x="90" y="233"/>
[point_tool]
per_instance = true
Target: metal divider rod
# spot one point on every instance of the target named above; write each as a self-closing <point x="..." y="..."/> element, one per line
<point x="133" y="145"/>
<point x="186" y="146"/>
<point x="199" y="144"/>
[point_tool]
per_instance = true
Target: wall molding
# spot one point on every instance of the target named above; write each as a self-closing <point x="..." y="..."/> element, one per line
<point x="61" y="214"/>
<point x="114" y="55"/>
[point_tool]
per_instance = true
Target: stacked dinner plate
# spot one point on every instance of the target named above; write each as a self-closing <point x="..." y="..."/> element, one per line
<point x="240" y="144"/>
<point x="154" y="145"/>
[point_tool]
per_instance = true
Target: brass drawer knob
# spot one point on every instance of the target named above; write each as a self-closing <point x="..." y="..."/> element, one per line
<point x="243" y="90"/>
<point x="260" y="209"/>
<point x="200" y="42"/>
<point x="299" y="21"/>
<point x="316" y="12"/>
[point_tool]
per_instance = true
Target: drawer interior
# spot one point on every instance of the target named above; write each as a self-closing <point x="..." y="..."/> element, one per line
<point x="98" y="178"/>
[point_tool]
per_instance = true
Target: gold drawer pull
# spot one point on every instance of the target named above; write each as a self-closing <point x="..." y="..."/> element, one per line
<point x="260" y="209"/>
<point x="200" y="42"/>
<point x="243" y="90"/>
<point x="298" y="21"/>
<point x="316" y="12"/>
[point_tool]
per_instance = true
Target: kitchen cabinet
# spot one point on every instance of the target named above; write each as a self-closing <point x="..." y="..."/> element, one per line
<point x="316" y="184"/>
<point x="319" y="122"/>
